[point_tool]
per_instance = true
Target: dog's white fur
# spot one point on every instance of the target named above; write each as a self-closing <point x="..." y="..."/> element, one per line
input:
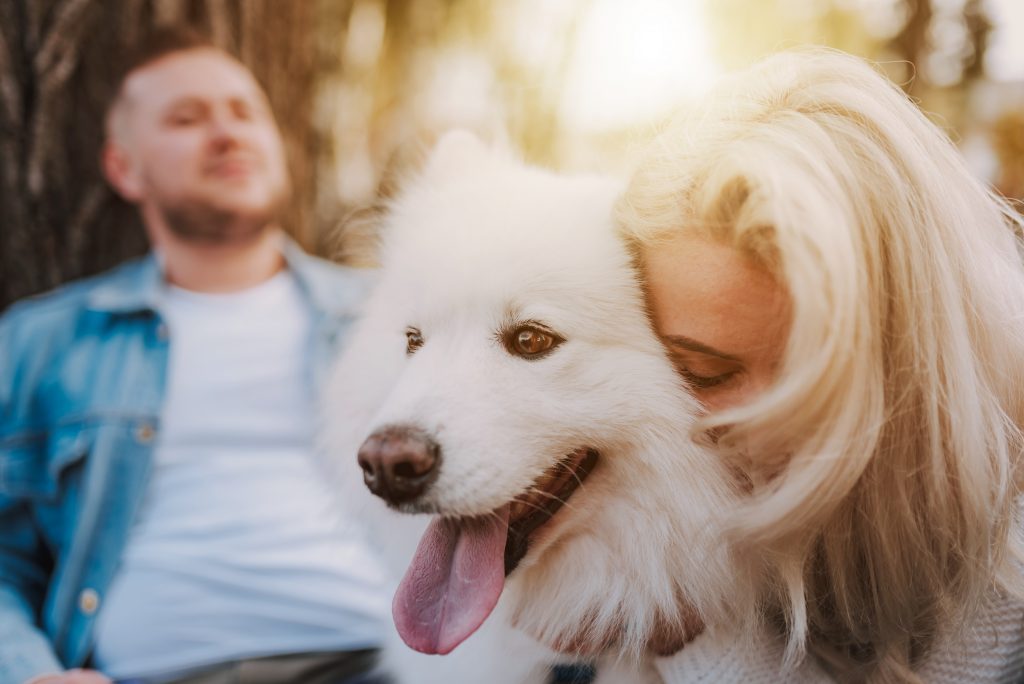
<point x="477" y="242"/>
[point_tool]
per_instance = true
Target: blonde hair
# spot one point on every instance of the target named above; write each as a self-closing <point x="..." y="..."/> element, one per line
<point x="886" y="460"/>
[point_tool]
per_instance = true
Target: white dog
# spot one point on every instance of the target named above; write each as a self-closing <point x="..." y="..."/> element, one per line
<point x="506" y="381"/>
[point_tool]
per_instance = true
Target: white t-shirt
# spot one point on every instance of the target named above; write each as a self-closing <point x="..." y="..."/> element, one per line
<point x="240" y="548"/>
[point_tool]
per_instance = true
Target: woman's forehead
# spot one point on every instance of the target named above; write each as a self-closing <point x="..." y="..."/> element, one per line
<point x="709" y="291"/>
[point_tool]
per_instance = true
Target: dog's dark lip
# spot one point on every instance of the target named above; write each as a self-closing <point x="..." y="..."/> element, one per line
<point x="521" y="529"/>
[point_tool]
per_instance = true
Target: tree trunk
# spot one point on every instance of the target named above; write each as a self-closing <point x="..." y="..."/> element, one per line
<point x="58" y="218"/>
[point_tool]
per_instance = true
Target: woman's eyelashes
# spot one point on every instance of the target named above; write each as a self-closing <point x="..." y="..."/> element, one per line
<point x="705" y="382"/>
<point x="705" y="373"/>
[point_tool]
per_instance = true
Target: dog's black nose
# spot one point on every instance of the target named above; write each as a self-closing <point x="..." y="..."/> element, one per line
<point x="399" y="462"/>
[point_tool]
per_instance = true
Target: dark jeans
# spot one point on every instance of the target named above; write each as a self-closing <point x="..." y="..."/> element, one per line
<point x="572" y="674"/>
<point x="349" y="667"/>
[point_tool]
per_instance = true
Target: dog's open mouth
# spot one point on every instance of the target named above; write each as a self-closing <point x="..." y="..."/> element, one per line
<point x="531" y="510"/>
<point x="456" y="577"/>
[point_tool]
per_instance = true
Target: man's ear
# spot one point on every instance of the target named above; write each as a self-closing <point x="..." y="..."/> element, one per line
<point x="121" y="172"/>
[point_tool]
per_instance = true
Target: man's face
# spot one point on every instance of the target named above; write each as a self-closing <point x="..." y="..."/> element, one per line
<point x="200" y="151"/>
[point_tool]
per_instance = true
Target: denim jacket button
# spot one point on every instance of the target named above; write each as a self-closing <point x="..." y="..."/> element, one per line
<point x="88" y="601"/>
<point x="145" y="433"/>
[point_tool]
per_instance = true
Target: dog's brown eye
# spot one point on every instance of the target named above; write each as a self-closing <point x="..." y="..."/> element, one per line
<point x="413" y="340"/>
<point x="531" y="343"/>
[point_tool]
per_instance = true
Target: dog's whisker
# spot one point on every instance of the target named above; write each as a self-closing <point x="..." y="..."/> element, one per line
<point x="576" y="476"/>
<point x="530" y="504"/>
<point x="554" y="497"/>
<point x="493" y="515"/>
<point x="565" y="502"/>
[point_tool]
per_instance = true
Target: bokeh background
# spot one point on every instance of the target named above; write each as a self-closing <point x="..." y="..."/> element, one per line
<point x="362" y="88"/>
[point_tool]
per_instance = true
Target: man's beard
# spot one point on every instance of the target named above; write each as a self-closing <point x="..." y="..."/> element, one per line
<point x="202" y="222"/>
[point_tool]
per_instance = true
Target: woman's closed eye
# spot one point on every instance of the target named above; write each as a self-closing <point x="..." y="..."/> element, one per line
<point x="705" y="382"/>
<point x="704" y="372"/>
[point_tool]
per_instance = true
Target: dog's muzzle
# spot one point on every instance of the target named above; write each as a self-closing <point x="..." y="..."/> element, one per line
<point x="399" y="463"/>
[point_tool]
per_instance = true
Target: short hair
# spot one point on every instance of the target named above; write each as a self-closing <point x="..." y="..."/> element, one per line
<point x="160" y="42"/>
<point x="889" y="446"/>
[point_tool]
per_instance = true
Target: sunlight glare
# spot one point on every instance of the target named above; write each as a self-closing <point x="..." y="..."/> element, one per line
<point x="634" y="60"/>
<point x="1004" y="60"/>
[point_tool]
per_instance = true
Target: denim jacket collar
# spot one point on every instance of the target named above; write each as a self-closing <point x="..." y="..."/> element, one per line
<point x="320" y="281"/>
<point x="136" y="287"/>
<point x="130" y="289"/>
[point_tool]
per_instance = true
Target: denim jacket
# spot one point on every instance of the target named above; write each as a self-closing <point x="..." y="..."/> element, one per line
<point x="82" y="379"/>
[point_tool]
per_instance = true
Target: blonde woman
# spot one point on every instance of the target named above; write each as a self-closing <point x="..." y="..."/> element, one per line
<point x="848" y="302"/>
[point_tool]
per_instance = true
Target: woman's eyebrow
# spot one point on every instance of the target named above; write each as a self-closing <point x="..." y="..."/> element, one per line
<point x="690" y="344"/>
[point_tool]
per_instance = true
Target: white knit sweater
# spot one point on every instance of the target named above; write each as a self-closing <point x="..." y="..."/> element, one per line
<point x="990" y="651"/>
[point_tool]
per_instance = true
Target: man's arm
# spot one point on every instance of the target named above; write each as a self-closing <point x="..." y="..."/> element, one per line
<point x="25" y="651"/>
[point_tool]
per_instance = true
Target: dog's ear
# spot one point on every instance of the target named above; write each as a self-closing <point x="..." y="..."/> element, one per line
<point x="456" y="154"/>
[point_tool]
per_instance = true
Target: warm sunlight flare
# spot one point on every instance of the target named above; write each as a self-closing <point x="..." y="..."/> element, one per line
<point x="633" y="61"/>
<point x="1005" y="61"/>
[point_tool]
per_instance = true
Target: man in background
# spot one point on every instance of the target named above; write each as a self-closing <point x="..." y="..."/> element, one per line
<point x="162" y="515"/>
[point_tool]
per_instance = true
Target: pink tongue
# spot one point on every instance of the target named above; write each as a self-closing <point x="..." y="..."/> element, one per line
<point x="453" y="582"/>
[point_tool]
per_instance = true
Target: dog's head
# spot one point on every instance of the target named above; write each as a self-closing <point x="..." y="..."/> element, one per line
<point x="513" y="388"/>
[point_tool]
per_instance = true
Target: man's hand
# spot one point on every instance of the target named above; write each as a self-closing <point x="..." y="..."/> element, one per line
<point x="73" y="677"/>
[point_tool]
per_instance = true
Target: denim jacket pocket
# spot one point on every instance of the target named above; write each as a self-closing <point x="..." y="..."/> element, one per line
<point x="32" y="467"/>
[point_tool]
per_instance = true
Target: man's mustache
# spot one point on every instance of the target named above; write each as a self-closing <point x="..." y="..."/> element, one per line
<point x="247" y="157"/>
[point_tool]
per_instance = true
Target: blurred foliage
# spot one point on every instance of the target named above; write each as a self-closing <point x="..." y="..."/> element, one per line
<point x="405" y="71"/>
<point x="746" y="30"/>
<point x="362" y="88"/>
<point x="1008" y="141"/>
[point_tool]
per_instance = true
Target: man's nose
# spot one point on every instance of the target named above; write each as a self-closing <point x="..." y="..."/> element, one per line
<point x="224" y="131"/>
<point x="399" y="462"/>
